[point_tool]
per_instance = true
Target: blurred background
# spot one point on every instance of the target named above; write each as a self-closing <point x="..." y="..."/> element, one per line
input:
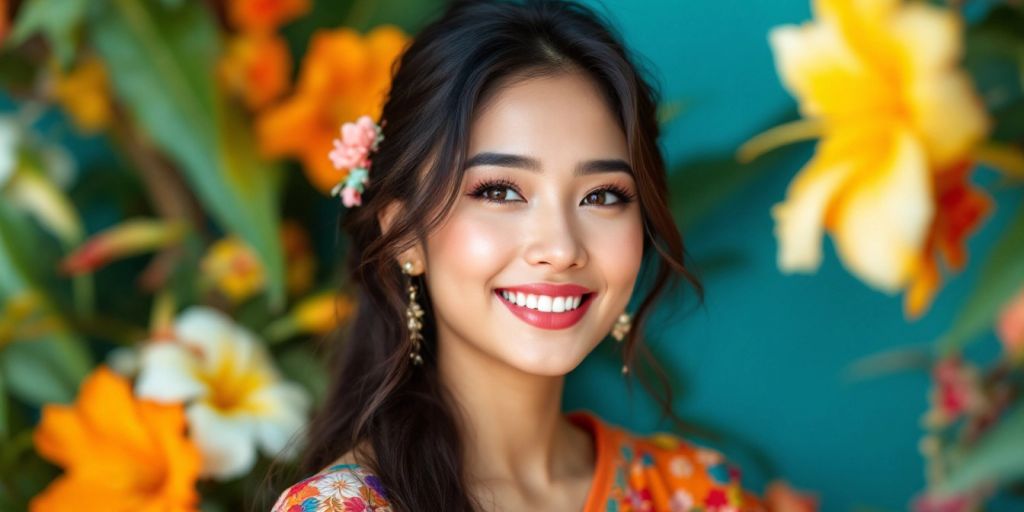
<point x="847" y="175"/>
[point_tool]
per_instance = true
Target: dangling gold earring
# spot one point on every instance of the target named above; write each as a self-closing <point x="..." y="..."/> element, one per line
<point x="413" y="316"/>
<point x="619" y="331"/>
<point x="622" y="326"/>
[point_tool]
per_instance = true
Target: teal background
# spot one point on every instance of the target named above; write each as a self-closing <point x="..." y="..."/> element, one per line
<point x="764" y="360"/>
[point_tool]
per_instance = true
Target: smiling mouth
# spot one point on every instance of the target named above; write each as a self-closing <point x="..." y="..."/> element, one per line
<point x="546" y="311"/>
<point x="544" y="303"/>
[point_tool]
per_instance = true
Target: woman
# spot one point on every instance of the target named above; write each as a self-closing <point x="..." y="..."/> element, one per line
<point x="516" y="189"/>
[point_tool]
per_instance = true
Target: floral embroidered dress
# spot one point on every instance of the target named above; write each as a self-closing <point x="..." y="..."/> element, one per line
<point x="656" y="473"/>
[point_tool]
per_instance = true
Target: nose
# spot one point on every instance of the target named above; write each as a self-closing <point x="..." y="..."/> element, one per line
<point x="554" y="241"/>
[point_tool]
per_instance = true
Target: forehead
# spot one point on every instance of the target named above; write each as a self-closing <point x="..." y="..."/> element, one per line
<point x="549" y="117"/>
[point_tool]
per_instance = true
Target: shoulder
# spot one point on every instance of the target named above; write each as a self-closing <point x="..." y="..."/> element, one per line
<point x="339" y="487"/>
<point x="677" y="474"/>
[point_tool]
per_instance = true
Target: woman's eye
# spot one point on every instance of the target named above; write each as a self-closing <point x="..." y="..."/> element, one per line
<point x="500" y="193"/>
<point x="602" y="198"/>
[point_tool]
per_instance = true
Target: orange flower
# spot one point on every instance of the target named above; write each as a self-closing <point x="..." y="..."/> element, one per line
<point x="256" y="67"/>
<point x="119" y="453"/>
<point x="343" y="76"/>
<point x="264" y="15"/>
<point x="961" y="210"/>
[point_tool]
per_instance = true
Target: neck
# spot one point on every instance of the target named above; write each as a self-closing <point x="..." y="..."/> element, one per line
<point x="514" y="430"/>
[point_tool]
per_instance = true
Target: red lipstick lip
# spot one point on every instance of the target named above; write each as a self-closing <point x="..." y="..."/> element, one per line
<point x="553" y="290"/>
<point x="547" y="320"/>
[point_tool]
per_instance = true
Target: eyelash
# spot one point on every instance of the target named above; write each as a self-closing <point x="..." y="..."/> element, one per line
<point x="625" y="197"/>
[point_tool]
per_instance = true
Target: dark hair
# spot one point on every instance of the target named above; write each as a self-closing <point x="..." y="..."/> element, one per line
<point x="452" y="65"/>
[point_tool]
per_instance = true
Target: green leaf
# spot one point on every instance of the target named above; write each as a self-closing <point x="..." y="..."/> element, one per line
<point x="45" y="370"/>
<point x="994" y="57"/>
<point x="162" y="63"/>
<point x="16" y="236"/>
<point x="301" y="365"/>
<point x="997" y="458"/>
<point x="58" y="20"/>
<point x="4" y="407"/>
<point x="1001" y="277"/>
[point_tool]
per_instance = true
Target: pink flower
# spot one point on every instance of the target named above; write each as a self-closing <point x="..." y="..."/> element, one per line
<point x="351" y="197"/>
<point x="958" y="388"/>
<point x="1011" y="327"/>
<point x="356" y="142"/>
<point x="932" y="503"/>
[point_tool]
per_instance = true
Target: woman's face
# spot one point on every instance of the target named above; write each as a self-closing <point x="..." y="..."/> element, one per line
<point x="547" y="209"/>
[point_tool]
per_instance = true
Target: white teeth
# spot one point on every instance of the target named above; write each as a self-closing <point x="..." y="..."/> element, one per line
<point x="545" y="303"/>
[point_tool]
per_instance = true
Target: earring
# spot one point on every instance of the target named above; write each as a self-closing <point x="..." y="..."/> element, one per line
<point x="622" y="326"/>
<point x="619" y="331"/>
<point x="413" y="316"/>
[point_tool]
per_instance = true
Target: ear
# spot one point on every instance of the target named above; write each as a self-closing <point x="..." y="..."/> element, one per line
<point x="414" y="254"/>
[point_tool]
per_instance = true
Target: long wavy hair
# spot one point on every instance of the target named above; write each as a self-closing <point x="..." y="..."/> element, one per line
<point x="455" y="63"/>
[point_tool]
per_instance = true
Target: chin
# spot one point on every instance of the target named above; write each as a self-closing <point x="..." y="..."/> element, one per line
<point x="548" y="365"/>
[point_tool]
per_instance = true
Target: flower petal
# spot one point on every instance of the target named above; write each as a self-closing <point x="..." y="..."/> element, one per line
<point x="882" y="216"/>
<point x="800" y="219"/>
<point x="287" y="407"/>
<point x="225" y="442"/>
<point x="168" y="373"/>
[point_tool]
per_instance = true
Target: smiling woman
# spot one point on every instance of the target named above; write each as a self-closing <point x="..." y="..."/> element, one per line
<point x="520" y="190"/>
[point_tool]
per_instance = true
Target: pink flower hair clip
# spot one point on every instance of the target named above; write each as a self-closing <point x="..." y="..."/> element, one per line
<point x="352" y="151"/>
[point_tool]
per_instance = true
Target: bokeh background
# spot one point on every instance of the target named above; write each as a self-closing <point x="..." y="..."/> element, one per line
<point x="818" y="379"/>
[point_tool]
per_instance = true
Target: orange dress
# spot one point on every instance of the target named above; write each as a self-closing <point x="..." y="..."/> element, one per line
<point x="633" y="473"/>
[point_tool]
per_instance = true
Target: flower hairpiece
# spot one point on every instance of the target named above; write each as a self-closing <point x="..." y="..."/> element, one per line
<point x="352" y="151"/>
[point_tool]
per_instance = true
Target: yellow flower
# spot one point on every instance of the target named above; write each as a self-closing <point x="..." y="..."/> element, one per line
<point x="344" y="75"/>
<point x="236" y="271"/>
<point x="257" y="67"/>
<point x="880" y="83"/>
<point x="119" y="453"/>
<point x="317" y="314"/>
<point x="235" y="398"/>
<point x="84" y="93"/>
<point x="233" y="267"/>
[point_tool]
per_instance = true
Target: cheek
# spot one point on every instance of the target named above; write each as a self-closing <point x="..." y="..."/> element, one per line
<point x="469" y="248"/>
<point x="616" y="247"/>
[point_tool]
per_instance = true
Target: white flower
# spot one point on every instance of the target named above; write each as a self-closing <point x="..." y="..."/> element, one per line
<point x="236" y="400"/>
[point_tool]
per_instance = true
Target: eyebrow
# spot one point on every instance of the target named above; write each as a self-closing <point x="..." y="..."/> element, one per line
<point x="532" y="164"/>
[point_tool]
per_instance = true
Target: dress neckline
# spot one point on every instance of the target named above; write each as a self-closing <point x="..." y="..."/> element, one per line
<point x="602" y="440"/>
<point x="602" y="451"/>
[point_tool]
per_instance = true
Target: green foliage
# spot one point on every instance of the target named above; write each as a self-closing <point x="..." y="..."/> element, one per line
<point x="1002" y="275"/>
<point x="997" y="459"/>
<point x="994" y="56"/>
<point x="45" y="370"/>
<point x="162" y="64"/>
<point x="58" y="20"/>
